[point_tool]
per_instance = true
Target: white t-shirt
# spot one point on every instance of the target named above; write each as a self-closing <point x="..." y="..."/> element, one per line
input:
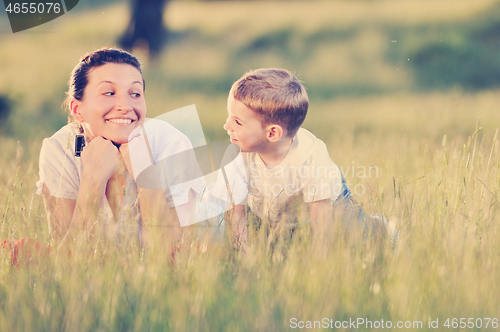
<point x="307" y="174"/>
<point x="61" y="171"/>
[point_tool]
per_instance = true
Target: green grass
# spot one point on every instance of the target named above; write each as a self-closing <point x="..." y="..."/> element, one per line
<point x="438" y="173"/>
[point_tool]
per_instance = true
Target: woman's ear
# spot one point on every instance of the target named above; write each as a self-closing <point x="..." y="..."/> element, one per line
<point x="274" y="132"/>
<point x="74" y="106"/>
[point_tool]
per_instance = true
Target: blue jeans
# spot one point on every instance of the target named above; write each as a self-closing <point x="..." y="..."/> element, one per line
<point x="350" y="212"/>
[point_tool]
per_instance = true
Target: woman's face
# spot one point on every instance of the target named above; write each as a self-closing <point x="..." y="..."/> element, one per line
<point x="113" y="103"/>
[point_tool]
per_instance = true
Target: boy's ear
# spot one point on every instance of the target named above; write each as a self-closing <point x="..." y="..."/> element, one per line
<point x="274" y="133"/>
<point x="74" y="106"/>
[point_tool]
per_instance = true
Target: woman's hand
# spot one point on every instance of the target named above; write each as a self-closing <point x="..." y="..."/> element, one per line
<point x="125" y="154"/>
<point x="137" y="155"/>
<point x="100" y="160"/>
<point x="102" y="173"/>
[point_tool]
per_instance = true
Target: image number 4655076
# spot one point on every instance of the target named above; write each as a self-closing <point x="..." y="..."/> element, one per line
<point x="26" y="14"/>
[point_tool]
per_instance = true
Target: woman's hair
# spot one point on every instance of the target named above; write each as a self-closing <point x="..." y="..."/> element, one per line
<point x="79" y="76"/>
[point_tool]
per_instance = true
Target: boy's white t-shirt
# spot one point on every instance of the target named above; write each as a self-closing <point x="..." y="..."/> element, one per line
<point x="61" y="171"/>
<point x="307" y="174"/>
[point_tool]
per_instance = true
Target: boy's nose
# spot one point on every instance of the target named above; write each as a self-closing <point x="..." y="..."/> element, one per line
<point x="226" y="125"/>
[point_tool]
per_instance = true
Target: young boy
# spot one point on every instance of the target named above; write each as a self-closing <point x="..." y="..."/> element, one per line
<point x="288" y="170"/>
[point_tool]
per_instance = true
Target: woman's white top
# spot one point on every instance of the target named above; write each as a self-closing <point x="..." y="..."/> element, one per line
<point x="61" y="170"/>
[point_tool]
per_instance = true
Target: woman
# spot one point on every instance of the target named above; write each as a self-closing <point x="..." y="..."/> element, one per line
<point x="96" y="192"/>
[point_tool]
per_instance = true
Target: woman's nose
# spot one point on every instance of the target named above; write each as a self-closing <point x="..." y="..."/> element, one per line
<point x="124" y="103"/>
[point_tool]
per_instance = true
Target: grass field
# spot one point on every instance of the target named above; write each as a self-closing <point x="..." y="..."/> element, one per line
<point x="436" y="153"/>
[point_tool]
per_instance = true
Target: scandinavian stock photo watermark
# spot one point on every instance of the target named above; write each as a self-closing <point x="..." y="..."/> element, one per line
<point x="326" y="181"/>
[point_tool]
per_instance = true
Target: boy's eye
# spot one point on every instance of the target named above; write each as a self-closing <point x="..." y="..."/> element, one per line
<point x="237" y="122"/>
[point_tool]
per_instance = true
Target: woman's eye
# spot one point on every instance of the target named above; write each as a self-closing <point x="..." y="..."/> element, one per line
<point x="136" y="95"/>
<point x="109" y="93"/>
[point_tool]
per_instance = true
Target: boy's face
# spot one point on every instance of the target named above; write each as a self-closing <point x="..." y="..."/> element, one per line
<point x="245" y="127"/>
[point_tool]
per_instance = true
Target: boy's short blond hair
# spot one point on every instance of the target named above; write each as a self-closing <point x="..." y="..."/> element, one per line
<point x="276" y="95"/>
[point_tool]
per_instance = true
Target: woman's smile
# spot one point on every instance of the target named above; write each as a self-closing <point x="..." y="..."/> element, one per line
<point x="120" y="121"/>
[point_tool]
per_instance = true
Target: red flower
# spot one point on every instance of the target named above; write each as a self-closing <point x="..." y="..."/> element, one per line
<point x="25" y="251"/>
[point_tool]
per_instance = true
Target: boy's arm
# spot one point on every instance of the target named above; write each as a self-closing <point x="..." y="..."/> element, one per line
<point x="321" y="216"/>
<point x="239" y="227"/>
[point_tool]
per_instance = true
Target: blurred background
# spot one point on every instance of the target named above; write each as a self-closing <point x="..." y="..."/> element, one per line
<point x="406" y="95"/>
<point x="376" y="71"/>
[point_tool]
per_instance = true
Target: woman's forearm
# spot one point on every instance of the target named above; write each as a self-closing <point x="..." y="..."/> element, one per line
<point x="85" y="214"/>
<point x="156" y="214"/>
<point x="89" y="205"/>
